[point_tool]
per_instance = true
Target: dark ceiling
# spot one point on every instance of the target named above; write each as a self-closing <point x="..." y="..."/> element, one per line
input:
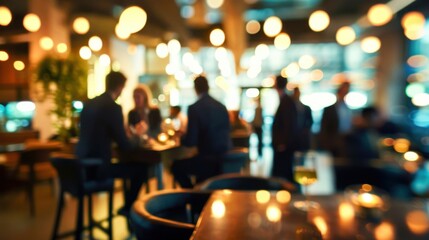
<point x="165" y="20"/>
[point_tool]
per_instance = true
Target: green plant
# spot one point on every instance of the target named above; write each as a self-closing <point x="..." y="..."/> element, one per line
<point x="65" y="80"/>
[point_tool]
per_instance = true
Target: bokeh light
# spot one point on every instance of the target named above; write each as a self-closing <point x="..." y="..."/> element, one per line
<point x="32" y="22"/>
<point x="81" y="25"/>
<point x="319" y="21"/>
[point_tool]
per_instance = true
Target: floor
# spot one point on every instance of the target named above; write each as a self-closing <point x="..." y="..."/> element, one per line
<point x="17" y="223"/>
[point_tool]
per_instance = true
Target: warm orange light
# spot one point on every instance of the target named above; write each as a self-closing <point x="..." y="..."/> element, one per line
<point x="319" y="21"/>
<point x="5" y="16"/>
<point x="46" y="43"/>
<point x="253" y="27"/>
<point x="379" y="14"/>
<point x="345" y="35"/>
<point x="81" y="25"/>
<point x="19" y="65"/>
<point x="272" y="26"/>
<point x="32" y="22"/>
<point x="4" y="56"/>
<point x="282" y="41"/>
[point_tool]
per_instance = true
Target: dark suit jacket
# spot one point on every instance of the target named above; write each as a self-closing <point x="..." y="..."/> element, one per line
<point x="305" y="121"/>
<point x="284" y="129"/>
<point x="208" y="127"/>
<point x="329" y="128"/>
<point x="101" y="123"/>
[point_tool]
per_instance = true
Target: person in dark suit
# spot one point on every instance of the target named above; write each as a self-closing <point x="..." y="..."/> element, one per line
<point x="336" y="123"/>
<point x="304" y="122"/>
<point x="207" y="133"/>
<point x="284" y="133"/>
<point x="101" y="124"/>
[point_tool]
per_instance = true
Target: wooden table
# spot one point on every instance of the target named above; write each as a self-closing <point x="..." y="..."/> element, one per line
<point x="31" y="152"/>
<point x="238" y="215"/>
<point x="152" y="155"/>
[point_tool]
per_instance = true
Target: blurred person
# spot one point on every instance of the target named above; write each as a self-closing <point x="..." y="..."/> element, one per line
<point x="257" y="124"/>
<point x="284" y="133"/>
<point x="207" y="139"/>
<point x="180" y="121"/>
<point x="240" y="130"/>
<point x="361" y="143"/>
<point x="144" y="114"/>
<point x="304" y="122"/>
<point x="238" y="124"/>
<point x="336" y="123"/>
<point x="101" y="124"/>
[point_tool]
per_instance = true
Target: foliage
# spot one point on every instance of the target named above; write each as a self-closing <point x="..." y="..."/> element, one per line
<point x="65" y="80"/>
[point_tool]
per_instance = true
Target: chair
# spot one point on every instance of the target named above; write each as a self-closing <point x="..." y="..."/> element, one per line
<point x="246" y="183"/>
<point x="33" y="166"/>
<point x="73" y="180"/>
<point x="235" y="160"/>
<point x="167" y="214"/>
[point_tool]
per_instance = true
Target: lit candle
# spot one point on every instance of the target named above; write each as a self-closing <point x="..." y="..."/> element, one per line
<point x="368" y="205"/>
<point x="162" y="137"/>
<point x="369" y="200"/>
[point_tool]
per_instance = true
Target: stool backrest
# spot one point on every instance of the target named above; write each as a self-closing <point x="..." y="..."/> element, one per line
<point x="167" y="214"/>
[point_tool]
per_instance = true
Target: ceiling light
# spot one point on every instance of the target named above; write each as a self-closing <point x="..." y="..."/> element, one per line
<point x="95" y="43"/>
<point x="318" y="21"/>
<point x="272" y="26"/>
<point x="174" y="46"/>
<point x="46" y="43"/>
<point x="282" y="41"/>
<point x="4" y="56"/>
<point x="5" y="16"/>
<point x="81" y="25"/>
<point x="133" y="19"/>
<point x="161" y="50"/>
<point x="414" y="34"/>
<point x="214" y="3"/>
<point x="85" y="53"/>
<point x="370" y="44"/>
<point x="345" y="35"/>
<point x="413" y="20"/>
<point x="19" y="65"/>
<point x="379" y="14"/>
<point x="32" y="22"/>
<point x="253" y="27"/>
<point x="121" y="32"/>
<point x="217" y="37"/>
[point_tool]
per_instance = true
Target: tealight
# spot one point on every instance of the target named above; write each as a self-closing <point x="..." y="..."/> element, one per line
<point x="162" y="137"/>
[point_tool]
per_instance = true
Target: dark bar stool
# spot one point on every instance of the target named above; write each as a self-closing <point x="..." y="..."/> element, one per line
<point x="73" y="180"/>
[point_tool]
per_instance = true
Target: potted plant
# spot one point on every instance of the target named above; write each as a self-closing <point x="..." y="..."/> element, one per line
<point x="63" y="79"/>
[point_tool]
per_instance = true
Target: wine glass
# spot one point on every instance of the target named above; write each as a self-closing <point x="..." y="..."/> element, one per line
<point x="305" y="174"/>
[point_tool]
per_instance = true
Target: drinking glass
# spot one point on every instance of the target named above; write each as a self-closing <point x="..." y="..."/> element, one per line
<point x="304" y="169"/>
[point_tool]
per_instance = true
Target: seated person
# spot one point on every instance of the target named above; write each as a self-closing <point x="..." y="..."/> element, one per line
<point x="144" y="115"/>
<point x="362" y="142"/>
<point x="180" y="121"/>
<point x="240" y="130"/>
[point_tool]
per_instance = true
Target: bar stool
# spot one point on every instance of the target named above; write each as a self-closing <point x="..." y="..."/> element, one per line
<point x="73" y="180"/>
